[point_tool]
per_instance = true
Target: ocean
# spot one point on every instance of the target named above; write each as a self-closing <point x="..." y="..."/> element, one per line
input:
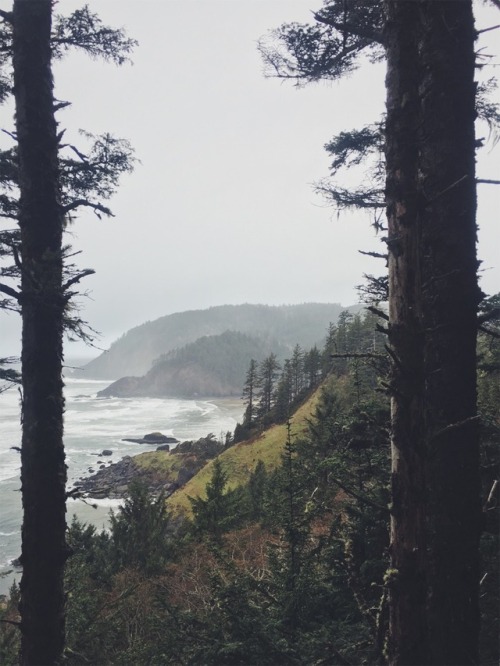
<point x="93" y="424"/>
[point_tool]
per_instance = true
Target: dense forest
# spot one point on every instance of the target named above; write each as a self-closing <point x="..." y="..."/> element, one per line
<point x="135" y="352"/>
<point x="287" y="564"/>
<point x="372" y="536"/>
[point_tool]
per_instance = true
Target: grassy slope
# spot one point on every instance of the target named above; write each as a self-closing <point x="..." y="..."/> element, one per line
<point x="240" y="460"/>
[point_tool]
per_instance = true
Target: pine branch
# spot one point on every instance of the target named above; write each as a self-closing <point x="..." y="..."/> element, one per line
<point x="61" y="105"/>
<point x="376" y="255"/>
<point x="378" y="312"/>
<point x="493" y="27"/>
<point x="10" y="292"/>
<point x="77" y="278"/>
<point x="358" y="31"/>
<point x="98" y="208"/>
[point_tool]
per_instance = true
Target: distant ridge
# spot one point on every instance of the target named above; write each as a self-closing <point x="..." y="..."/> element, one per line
<point x="135" y="352"/>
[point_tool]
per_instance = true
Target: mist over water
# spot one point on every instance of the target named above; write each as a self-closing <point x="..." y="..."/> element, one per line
<point x="91" y="425"/>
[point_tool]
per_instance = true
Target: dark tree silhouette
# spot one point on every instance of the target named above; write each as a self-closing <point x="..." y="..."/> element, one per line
<point x="432" y="103"/>
<point x="41" y="220"/>
<point x="40" y="187"/>
<point x="433" y="300"/>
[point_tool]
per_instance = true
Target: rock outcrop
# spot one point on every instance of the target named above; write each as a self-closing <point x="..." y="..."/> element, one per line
<point x="160" y="471"/>
<point x="152" y="438"/>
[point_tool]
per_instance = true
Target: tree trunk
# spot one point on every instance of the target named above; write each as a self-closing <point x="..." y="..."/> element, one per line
<point x="43" y="471"/>
<point x="433" y="296"/>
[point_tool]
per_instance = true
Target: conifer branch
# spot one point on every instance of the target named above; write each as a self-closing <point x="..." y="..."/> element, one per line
<point x="98" y="208"/>
<point x="10" y="292"/>
<point x="77" y="278"/>
<point x="357" y="30"/>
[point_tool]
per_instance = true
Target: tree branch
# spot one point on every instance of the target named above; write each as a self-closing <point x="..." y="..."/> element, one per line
<point x="488" y="181"/>
<point x="376" y="255"/>
<point x="455" y="426"/>
<point x="362" y="499"/>
<point x="77" y="278"/>
<point x="61" y="105"/>
<point x="489" y="331"/>
<point x="493" y="27"/>
<point x="358" y="355"/>
<point x="10" y="292"/>
<point x="98" y="208"/>
<point x="358" y="31"/>
<point x="6" y="16"/>
<point x="378" y="312"/>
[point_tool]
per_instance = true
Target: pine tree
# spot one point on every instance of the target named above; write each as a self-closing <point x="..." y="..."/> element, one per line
<point x="36" y="168"/>
<point x="249" y="391"/>
<point x="268" y="373"/>
<point x="215" y="514"/>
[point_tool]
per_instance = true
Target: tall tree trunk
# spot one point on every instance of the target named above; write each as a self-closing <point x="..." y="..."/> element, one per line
<point x="43" y="472"/>
<point x="433" y="296"/>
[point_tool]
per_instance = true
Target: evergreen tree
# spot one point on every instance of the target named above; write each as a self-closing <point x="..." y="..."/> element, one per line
<point x="215" y="514"/>
<point x="297" y="371"/>
<point x="268" y="373"/>
<point x="249" y="390"/>
<point x="36" y="169"/>
<point x="312" y="367"/>
<point x="139" y="531"/>
<point x="284" y="393"/>
<point x="433" y="294"/>
<point x="43" y="472"/>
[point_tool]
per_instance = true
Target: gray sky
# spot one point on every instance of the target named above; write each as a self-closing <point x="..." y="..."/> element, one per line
<point x="221" y="207"/>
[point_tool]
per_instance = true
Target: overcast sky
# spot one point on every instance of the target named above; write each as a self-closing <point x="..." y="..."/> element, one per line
<point x="221" y="207"/>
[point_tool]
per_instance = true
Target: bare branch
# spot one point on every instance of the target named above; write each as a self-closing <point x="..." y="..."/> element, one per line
<point x="493" y="27"/>
<point x="488" y="181"/>
<point x="61" y="105"/>
<point x="358" y="355"/>
<point x="456" y="426"/>
<point x="378" y="312"/>
<point x="98" y="208"/>
<point x="376" y="255"/>
<point x="10" y="292"/>
<point x="361" y="498"/>
<point x="12" y="135"/>
<point x="77" y="278"/>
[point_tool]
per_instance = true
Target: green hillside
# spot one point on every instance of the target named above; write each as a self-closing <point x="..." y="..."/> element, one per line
<point x="240" y="460"/>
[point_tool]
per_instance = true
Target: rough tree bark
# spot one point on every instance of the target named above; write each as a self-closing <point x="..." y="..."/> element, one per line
<point x="433" y="294"/>
<point x="43" y="472"/>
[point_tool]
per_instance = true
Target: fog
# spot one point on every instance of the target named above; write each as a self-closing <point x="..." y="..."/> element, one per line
<point x="221" y="206"/>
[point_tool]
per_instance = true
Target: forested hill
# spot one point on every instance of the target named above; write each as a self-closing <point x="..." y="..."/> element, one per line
<point x="135" y="352"/>
<point x="213" y="365"/>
